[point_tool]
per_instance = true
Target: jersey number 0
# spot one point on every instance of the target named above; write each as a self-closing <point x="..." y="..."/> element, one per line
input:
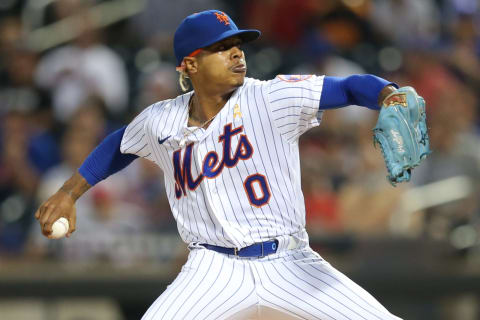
<point x="256" y="185"/>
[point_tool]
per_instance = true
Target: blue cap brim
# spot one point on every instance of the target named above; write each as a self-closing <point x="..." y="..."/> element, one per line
<point x="245" y="35"/>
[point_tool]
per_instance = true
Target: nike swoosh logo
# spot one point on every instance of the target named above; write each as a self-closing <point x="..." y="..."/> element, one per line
<point x="161" y="141"/>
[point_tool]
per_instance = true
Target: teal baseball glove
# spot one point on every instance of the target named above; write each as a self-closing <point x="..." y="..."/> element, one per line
<point x="401" y="131"/>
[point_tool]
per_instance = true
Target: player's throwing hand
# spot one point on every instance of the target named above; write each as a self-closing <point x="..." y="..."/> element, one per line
<point x="62" y="204"/>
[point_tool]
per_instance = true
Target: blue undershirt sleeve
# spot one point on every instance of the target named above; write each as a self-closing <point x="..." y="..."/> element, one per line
<point x="362" y="90"/>
<point x="106" y="159"/>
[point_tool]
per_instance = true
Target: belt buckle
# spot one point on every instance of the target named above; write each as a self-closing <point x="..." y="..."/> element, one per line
<point x="235" y="251"/>
<point x="263" y="255"/>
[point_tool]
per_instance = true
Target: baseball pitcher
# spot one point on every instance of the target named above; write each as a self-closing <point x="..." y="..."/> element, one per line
<point x="229" y="152"/>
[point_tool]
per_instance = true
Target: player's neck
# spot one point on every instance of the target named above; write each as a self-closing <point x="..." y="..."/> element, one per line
<point x="205" y="106"/>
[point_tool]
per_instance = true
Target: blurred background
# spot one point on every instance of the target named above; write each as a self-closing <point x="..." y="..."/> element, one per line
<point x="72" y="71"/>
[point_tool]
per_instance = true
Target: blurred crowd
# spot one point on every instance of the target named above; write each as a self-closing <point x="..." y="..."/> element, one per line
<point x="72" y="71"/>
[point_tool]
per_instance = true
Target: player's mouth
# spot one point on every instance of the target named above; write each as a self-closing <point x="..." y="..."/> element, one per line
<point x="239" y="68"/>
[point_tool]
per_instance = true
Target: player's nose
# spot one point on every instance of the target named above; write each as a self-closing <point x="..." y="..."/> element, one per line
<point x="236" y="52"/>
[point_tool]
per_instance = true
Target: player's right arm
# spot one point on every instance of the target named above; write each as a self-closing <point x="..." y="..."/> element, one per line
<point x="102" y="162"/>
<point x="62" y="204"/>
<point x="109" y="157"/>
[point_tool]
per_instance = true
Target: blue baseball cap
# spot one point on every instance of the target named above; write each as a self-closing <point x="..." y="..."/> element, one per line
<point x="204" y="28"/>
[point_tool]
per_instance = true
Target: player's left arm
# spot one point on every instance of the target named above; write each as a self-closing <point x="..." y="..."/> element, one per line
<point x="401" y="128"/>
<point x="364" y="90"/>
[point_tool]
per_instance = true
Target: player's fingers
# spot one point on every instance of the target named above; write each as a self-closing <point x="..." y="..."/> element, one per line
<point x="41" y="210"/>
<point x="54" y="216"/>
<point x="46" y="230"/>
<point x="48" y="219"/>
<point x="72" y="223"/>
<point x="69" y="233"/>
<point x="45" y="212"/>
<point x="37" y="213"/>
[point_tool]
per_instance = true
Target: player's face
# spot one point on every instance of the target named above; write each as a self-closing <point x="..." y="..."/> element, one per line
<point x="223" y="64"/>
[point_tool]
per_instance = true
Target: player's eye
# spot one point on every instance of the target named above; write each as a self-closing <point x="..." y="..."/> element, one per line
<point x="225" y="46"/>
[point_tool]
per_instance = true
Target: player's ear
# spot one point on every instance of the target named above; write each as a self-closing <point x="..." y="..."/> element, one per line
<point x="191" y="65"/>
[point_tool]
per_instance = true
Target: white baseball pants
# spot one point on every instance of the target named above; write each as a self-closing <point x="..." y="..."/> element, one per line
<point x="293" y="284"/>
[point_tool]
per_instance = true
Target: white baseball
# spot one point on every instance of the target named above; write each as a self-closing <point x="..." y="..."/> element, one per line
<point x="59" y="228"/>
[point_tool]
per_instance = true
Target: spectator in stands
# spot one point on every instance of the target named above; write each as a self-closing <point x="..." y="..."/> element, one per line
<point x="83" y="68"/>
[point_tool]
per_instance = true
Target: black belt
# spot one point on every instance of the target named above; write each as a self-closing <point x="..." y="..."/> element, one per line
<point x="260" y="249"/>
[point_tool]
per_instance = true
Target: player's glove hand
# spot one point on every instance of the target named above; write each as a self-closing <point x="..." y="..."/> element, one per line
<point x="401" y="131"/>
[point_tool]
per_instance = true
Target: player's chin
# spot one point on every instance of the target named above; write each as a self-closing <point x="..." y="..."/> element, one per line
<point x="238" y="78"/>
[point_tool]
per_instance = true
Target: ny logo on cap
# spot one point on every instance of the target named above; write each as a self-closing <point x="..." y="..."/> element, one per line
<point x="222" y="17"/>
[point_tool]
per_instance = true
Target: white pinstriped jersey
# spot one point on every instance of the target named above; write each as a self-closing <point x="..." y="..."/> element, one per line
<point x="236" y="182"/>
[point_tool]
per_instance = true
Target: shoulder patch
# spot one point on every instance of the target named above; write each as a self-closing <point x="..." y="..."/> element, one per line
<point x="294" y="77"/>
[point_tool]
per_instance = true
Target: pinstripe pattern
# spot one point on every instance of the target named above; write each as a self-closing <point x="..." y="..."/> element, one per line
<point x="220" y="210"/>
<point x="297" y="283"/>
<point x="208" y="287"/>
<point x="236" y="183"/>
